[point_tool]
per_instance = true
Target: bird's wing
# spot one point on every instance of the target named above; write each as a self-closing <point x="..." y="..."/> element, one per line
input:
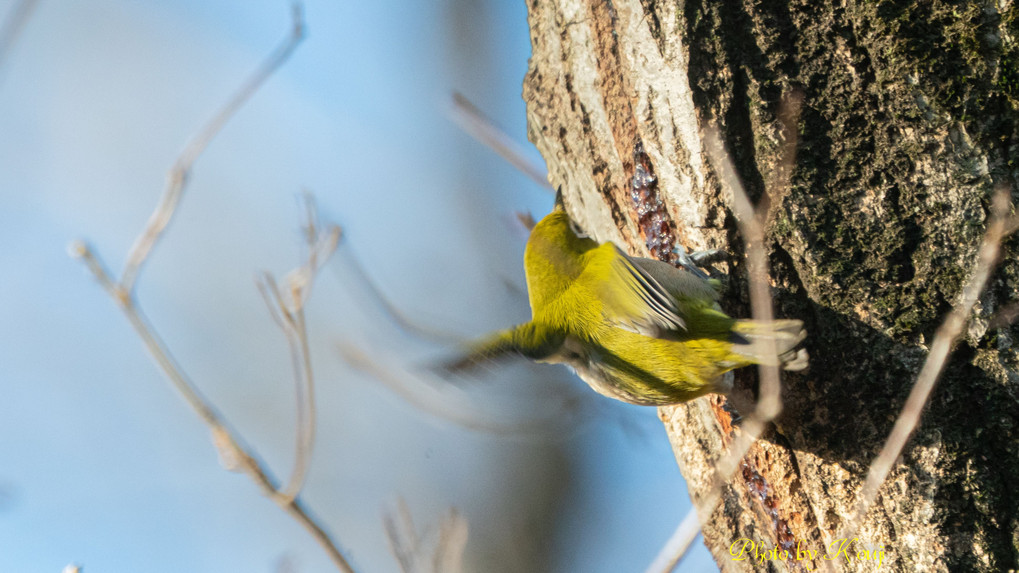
<point x="484" y="353"/>
<point x="679" y="282"/>
<point x="632" y="297"/>
<point x="528" y="340"/>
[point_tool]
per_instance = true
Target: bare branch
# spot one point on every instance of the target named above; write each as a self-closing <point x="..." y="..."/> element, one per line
<point x="412" y="552"/>
<point x="779" y="182"/>
<point x="235" y="456"/>
<point x="155" y="346"/>
<point x="481" y="128"/>
<point x="445" y="400"/>
<point x="449" y="549"/>
<point x="675" y="548"/>
<point x="752" y="223"/>
<point x="177" y="178"/>
<point x="525" y="219"/>
<point x="399" y="318"/>
<point x="12" y="27"/>
<point x="402" y="536"/>
<point x="304" y="393"/>
<point x="266" y="284"/>
<point x="288" y="314"/>
<point x="944" y="340"/>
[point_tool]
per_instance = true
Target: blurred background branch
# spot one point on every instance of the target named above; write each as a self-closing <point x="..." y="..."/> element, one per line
<point x="289" y="314"/>
<point x="95" y="100"/>
<point x="177" y="178"/>
<point x="11" y="26"/>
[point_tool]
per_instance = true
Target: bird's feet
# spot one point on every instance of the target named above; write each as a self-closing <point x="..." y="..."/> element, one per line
<point x="695" y="260"/>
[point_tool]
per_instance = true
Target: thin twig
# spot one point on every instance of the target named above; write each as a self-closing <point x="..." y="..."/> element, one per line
<point x="237" y="456"/>
<point x="12" y="27"/>
<point x="411" y="550"/>
<point x="177" y="178"/>
<point x="398" y="317"/>
<point x="402" y="536"/>
<point x="769" y="404"/>
<point x="676" y="547"/>
<point x="155" y="345"/>
<point x="445" y="401"/>
<point x="288" y="314"/>
<point x="751" y="221"/>
<point x="481" y="128"/>
<point x="449" y="548"/>
<point x="296" y="335"/>
<point x="233" y="453"/>
<point x="944" y="340"/>
<point x="297" y="510"/>
<point x="306" y="434"/>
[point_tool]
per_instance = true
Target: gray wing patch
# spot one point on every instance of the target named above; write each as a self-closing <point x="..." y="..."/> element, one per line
<point x="680" y="283"/>
<point x="653" y="311"/>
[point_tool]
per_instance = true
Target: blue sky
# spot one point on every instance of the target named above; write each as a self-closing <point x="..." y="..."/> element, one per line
<point x="102" y="464"/>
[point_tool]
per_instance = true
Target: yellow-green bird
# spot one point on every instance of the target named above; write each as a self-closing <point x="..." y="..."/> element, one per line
<point x="635" y="329"/>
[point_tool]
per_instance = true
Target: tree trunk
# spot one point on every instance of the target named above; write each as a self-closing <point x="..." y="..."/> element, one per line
<point x="910" y="115"/>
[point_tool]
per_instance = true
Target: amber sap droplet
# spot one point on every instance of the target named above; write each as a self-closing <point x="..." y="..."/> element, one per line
<point x="652" y="217"/>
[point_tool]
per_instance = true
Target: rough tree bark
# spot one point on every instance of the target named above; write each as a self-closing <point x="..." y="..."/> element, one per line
<point x="910" y="114"/>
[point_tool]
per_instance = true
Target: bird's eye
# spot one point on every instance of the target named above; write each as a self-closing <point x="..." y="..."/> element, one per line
<point x="576" y="230"/>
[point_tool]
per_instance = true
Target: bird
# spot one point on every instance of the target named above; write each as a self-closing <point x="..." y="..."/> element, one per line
<point x="634" y="329"/>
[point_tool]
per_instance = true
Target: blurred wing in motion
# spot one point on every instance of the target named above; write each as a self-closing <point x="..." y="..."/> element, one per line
<point x="485" y="353"/>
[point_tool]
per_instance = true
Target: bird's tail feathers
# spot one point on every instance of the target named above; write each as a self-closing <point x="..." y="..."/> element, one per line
<point x="752" y="339"/>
